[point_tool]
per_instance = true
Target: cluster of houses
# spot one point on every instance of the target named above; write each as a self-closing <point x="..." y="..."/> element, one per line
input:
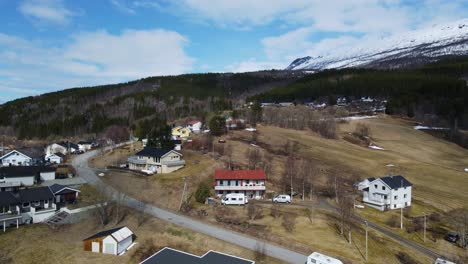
<point x="184" y="132"/>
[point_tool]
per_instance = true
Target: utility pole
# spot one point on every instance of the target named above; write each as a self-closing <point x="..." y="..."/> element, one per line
<point x="367" y="224"/>
<point x="291" y="187"/>
<point x="424" y="227"/>
<point x="183" y="193"/>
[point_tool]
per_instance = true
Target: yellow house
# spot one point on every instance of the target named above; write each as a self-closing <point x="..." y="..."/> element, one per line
<point x="180" y="132"/>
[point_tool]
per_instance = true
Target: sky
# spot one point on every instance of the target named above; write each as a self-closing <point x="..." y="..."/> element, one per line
<point x="50" y="45"/>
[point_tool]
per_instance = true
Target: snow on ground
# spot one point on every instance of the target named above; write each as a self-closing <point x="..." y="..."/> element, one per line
<point x="350" y="118"/>
<point x="429" y="128"/>
<point x="390" y="165"/>
<point x="466" y="169"/>
<point x="376" y="147"/>
<point x="251" y="129"/>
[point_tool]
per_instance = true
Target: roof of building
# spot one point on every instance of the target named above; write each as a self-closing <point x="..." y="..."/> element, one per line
<point x="56" y="188"/>
<point x="119" y="231"/>
<point x="35" y="194"/>
<point x="23" y="171"/>
<point x="240" y="174"/>
<point x="33" y="152"/>
<point x="169" y="256"/>
<point x="85" y="142"/>
<point x="396" y="181"/>
<point x="177" y="141"/>
<point x="193" y="122"/>
<point x="371" y="179"/>
<point x="154" y="152"/>
<point x="68" y="145"/>
<point x="13" y="151"/>
<point x="25" y="195"/>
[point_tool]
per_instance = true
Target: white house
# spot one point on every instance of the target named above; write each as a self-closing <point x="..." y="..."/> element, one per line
<point x="25" y="175"/>
<point x="61" y="147"/>
<point x="54" y="158"/>
<point x="85" y="145"/>
<point x="177" y="144"/>
<point x="16" y="158"/>
<point x="156" y="160"/>
<point x="194" y="126"/>
<point x="113" y="241"/>
<point x="386" y="193"/>
<point x="249" y="182"/>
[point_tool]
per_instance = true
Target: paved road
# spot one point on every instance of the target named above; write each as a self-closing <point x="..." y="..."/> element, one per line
<point x="81" y="165"/>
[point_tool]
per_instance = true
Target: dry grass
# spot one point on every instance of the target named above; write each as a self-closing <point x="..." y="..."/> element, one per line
<point x="116" y="156"/>
<point x="434" y="166"/>
<point x="39" y="244"/>
<point x="165" y="189"/>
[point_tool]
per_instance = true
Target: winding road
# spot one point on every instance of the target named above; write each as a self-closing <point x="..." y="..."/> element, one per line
<point x="80" y="163"/>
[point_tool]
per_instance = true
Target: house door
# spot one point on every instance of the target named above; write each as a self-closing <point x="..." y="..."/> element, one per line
<point x="109" y="248"/>
<point x="95" y="247"/>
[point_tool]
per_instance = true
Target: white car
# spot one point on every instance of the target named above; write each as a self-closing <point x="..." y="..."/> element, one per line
<point x="282" y="198"/>
<point x="234" y="199"/>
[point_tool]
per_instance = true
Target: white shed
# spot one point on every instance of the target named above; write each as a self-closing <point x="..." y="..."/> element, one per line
<point x="54" y="158"/>
<point x="114" y="241"/>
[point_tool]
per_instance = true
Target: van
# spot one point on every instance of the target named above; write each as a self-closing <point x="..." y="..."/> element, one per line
<point x="319" y="258"/>
<point x="234" y="199"/>
<point x="282" y="198"/>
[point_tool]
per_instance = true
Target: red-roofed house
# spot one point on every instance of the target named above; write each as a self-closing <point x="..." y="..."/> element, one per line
<point x="249" y="182"/>
<point x="194" y="126"/>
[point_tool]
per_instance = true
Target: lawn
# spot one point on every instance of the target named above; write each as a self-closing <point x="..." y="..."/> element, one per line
<point x="64" y="244"/>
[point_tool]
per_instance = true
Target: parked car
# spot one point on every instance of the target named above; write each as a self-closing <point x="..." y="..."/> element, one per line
<point x="452" y="237"/>
<point x="234" y="199"/>
<point x="282" y="198"/>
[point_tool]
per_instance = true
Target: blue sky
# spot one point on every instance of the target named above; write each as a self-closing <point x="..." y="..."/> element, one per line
<point x="48" y="45"/>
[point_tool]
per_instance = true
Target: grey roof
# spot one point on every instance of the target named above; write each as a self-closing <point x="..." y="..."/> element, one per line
<point x="33" y="152"/>
<point x="25" y="195"/>
<point x="371" y="179"/>
<point x="153" y="152"/>
<point x="104" y="233"/>
<point x="396" y="181"/>
<point x="170" y="256"/>
<point x="7" y="199"/>
<point x="23" y="171"/>
<point x="68" y="144"/>
<point x="35" y="194"/>
<point x="55" y="188"/>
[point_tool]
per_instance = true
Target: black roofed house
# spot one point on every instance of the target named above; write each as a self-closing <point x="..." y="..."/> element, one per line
<point x="169" y="256"/>
<point x="33" y="205"/>
<point x="16" y="176"/>
<point x="156" y="160"/>
<point x="85" y="145"/>
<point x="386" y="193"/>
<point x="64" y="194"/>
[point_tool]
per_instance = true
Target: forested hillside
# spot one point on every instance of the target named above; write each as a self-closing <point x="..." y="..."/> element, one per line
<point x="434" y="91"/>
<point x="84" y="110"/>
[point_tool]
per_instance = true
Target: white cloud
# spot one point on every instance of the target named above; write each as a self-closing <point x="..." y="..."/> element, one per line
<point x="122" y="6"/>
<point x="253" y="64"/>
<point x="52" y="11"/>
<point x="90" y="58"/>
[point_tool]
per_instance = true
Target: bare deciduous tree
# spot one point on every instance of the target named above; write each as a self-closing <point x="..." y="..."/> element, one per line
<point x="103" y="206"/>
<point x="289" y="222"/>
<point x="141" y="213"/>
<point x="120" y="212"/>
<point x="254" y="211"/>
<point x="459" y="219"/>
<point x="254" y="157"/>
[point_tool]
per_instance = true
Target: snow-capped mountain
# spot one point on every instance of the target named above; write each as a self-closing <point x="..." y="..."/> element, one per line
<point x="409" y="49"/>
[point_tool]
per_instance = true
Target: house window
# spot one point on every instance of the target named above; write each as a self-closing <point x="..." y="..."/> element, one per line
<point x="36" y="203"/>
<point x="394" y="206"/>
<point x="406" y="203"/>
<point x="383" y="188"/>
<point x="375" y="186"/>
<point x="221" y="182"/>
<point x="404" y="195"/>
<point x="385" y="197"/>
<point x="395" y="197"/>
<point x="26" y="205"/>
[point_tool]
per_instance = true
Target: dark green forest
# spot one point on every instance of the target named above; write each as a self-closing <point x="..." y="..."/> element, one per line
<point x="437" y="89"/>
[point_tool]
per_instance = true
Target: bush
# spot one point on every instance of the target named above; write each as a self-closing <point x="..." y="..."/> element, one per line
<point x="393" y="221"/>
<point x="361" y="130"/>
<point x="289" y="222"/>
<point x="275" y="211"/>
<point x="202" y="192"/>
<point x="254" y="211"/>
<point x="145" y="250"/>
<point x="405" y="258"/>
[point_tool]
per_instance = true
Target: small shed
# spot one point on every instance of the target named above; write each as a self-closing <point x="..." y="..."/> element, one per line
<point x="64" y="194"/>
<point x="113" y="241"/>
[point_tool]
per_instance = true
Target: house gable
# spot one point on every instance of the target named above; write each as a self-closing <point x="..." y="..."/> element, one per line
<point x="14" y="152"/>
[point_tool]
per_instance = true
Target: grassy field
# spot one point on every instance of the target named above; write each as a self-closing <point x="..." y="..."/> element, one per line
<point x="434" y="166"/>
<point x="64" y="244"/>
<point x="115" y="157"/>
<point x="165" y="189"/>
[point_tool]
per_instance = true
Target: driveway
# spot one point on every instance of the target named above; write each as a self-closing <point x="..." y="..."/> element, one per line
<point x="80" y="163"/>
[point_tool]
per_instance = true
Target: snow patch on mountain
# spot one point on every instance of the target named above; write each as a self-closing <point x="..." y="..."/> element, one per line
<point x="414" y="47"/>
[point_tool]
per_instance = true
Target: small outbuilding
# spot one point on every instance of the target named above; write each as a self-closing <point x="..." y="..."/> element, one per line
<point x="113" y="241"/>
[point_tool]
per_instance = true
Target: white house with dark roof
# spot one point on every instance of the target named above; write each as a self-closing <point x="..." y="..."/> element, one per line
<point x="156" y="160"/>
<point x="386" y="193"/>
<point x="16" y="158"/>
<point x="17" y="176"/>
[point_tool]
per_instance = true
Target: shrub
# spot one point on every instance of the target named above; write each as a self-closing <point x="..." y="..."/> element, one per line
<point x="405" y="258"/>
<point x="289" y="222"/>
<point x="275" y="211"/>
<point x="202" y="192"/>
<point x="254" y="211"/>
<point x="393" y="221"/>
